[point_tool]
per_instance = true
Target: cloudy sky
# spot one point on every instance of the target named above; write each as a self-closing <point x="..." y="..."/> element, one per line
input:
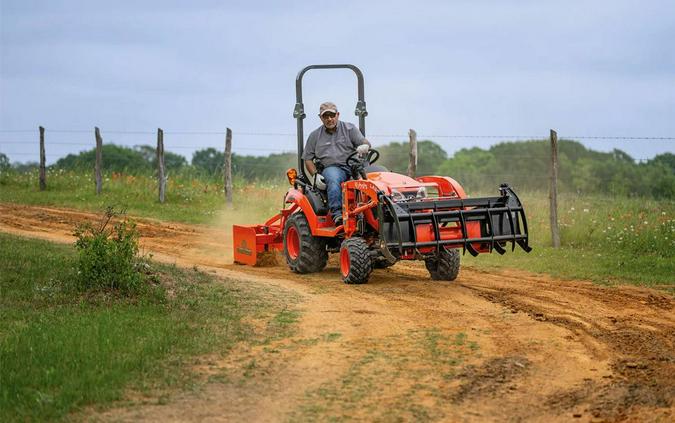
<point x="461" y="73"/>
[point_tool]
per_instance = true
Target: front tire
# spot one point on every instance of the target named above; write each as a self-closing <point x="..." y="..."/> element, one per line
<point x="355" y="263"/>
<point x="444" y="266"/>
<point x="304" y="252"/>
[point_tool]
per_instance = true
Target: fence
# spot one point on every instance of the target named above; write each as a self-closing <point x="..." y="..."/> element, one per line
<point x="227" y="164"/>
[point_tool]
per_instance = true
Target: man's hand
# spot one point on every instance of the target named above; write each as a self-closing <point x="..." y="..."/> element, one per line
<point x="319" y="182"/>
<point x="363" y="149"/>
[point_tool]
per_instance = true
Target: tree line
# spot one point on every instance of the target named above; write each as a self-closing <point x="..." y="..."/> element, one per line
<point x="525" y="165"/>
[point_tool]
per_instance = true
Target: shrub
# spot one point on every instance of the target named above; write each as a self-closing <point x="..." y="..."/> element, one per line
<point x="108" y="257"/>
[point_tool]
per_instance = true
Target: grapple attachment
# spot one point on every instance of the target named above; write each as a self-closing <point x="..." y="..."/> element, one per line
<point x="477" y="225"/>
<point x="250" y="241"/>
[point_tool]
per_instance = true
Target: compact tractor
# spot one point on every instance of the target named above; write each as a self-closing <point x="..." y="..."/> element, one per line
<point x="387" y="217"/>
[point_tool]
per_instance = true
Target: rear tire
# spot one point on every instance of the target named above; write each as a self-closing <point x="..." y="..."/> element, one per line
<point x="444" y="266"/>
<point x="304" y="252"/>
<point x="355" y="263"/>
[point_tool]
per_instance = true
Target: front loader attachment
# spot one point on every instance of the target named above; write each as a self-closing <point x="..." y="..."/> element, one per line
<point x="477" y="225"/>
<point x="251" y="241"/>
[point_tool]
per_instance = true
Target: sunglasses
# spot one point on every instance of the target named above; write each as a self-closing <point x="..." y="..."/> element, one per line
<point x="328" y="115"/>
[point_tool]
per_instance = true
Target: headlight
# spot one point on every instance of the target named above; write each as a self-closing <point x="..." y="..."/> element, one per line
<point x="421" y="193"/>
<point x="396" y="195"/>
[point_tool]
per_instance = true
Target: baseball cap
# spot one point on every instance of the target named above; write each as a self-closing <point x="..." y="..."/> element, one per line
<point x="327" y="107"/>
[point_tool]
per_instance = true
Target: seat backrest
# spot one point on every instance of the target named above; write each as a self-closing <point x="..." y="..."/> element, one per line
<point x="318" y="201"/>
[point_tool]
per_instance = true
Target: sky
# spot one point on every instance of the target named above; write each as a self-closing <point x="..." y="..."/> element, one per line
<point x="461" y="73"/>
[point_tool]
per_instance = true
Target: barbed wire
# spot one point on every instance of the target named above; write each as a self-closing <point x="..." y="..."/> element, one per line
<point x="398" y="155"/>
<point x="289" y="134"/>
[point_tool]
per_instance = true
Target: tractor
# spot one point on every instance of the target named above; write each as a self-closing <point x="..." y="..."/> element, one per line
<point x="387" y="217"/>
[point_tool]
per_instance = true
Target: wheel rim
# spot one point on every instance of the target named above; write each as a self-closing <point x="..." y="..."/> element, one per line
<point x="344" y="262"/>
<point x="293" y="243"/>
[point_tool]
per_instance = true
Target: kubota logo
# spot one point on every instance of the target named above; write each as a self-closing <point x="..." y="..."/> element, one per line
<point x="243" y="249"/>
<point x="362" y="186"/>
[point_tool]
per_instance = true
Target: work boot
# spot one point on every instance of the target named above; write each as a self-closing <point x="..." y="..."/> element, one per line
<point x="338" y="220"/>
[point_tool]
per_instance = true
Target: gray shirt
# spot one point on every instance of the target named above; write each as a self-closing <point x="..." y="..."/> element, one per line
<point x="332" y="149"/>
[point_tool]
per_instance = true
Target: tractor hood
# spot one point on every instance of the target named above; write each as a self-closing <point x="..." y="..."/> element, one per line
<point x="396" y="184"/>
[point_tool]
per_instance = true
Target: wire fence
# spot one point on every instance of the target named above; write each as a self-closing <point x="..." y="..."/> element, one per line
<point x="22" y="143"/>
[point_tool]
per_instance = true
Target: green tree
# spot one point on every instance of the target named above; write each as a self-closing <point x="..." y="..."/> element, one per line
<point x="395" y="157"/>
<point x="115" y="159"/>
<point x="665" y="159"/>
<point x="4" y="162"/>
<point x="209" y="161"/>
<point x="172" y="161"/>
<point x="473" y="168"/>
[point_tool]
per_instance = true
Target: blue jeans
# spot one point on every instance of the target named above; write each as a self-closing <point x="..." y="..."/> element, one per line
<point x="334" y="176"/>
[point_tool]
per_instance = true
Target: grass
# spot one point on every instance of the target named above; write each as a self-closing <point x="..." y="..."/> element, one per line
<point x="419" y="368"/>
<point x="605" y="239"/>
<point x="61" y="351"/>
<point x="189" y="198"/>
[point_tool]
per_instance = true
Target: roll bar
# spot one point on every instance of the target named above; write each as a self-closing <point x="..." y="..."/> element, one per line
<point x="299" y="111"/>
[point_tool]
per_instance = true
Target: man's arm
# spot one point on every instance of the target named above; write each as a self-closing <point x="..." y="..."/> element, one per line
<point x="356" y="137"/>
<point x="311" y="167"/>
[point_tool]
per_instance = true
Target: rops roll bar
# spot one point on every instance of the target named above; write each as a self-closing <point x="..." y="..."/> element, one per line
<point x="299" y="111"/>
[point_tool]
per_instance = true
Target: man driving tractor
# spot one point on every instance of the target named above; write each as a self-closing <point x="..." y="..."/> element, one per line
<point x="330" y="145"/>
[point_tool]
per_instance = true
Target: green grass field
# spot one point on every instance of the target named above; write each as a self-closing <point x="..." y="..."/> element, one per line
<point x="604" y="238"/>
<point x="61" y="350"/>
<point x="189" y="199"/>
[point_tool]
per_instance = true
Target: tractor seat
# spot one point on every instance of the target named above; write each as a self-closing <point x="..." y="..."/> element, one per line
<point x="316" y="199"/>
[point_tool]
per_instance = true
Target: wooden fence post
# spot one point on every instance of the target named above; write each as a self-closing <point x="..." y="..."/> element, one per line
<point x="43" y="159"/>
<point x="227" y="167"/>
<point x="412" y="162"/>
<point x="99" y="160"/>
<point x="160" y="164"/>
<point x="553" y="191"/>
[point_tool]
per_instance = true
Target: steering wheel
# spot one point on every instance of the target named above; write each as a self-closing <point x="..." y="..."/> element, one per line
<point x="371" y="157"/>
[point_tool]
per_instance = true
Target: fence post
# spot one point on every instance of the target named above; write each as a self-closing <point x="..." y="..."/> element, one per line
<point x="412" y="162"/>
<point x="99" y="160"/>
<point x="43" y="159"/>
<point x="553" y="191"/>
<point x="160" y="164"/>
<point x="227" y="167"/>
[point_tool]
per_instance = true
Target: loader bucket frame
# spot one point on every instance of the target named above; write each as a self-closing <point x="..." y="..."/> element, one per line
<point x="479" y="224"/>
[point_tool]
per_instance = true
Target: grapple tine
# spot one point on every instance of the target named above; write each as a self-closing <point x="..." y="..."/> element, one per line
<point x="513" y="230"/>
<point x="470" y="248"/>
<point x="524" y="246"/>
<point x="499" y="248"/>
<point x="462" y="224"/>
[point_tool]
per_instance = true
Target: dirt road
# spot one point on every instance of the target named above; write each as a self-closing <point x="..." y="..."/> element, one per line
<point x="507" y="346"/>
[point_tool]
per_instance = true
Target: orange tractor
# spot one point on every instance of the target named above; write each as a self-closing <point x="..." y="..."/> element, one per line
<point x="387" y="217"/>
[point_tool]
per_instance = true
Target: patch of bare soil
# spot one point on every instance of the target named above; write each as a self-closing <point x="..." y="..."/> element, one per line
<point x="504" y="346"/>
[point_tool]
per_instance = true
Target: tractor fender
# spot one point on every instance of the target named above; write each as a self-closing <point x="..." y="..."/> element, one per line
<point x="446" y="185"/>
<point x="299" y="200"/>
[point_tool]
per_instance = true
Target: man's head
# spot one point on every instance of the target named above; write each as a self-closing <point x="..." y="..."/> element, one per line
<point x="329" y="114"/>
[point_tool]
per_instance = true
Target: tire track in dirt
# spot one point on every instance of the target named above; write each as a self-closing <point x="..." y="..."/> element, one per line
<point x="504" y="346"/>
